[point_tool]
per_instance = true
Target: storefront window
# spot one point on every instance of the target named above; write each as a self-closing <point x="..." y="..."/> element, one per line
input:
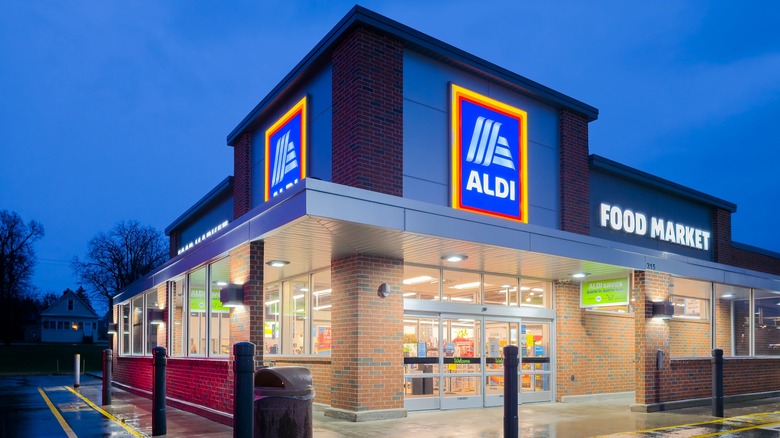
<point x="196" y="327"/>
<point x="500" y="290"/>
<point x="461" y="287"/>
<point x="272" y="319"/>
<point x="690" y="332"/>
<point x="152" y="329"/>
<point x="124" y="318"/>
<point x="732" y="320"/>
<point x="298" y="315"/>
<point x="178" y="346"/>
<point x="766" y="330"/>
<point x="321" y="305"/>
<point x="534" y="293"/>
<point x="421" y="283"/>
<point x="138" y="324"/>
<point x="220" y="315"/>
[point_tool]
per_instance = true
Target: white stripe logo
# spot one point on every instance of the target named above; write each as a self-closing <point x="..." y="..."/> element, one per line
<point x="285" y="160"/>
<point x="487" y="147"/>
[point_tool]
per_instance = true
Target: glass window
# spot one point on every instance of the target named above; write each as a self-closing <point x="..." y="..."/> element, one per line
<point x="732" y="320"/>
<point x="197" y="313"/>
<point x="690" y="332"/>
<point x="421" y="283"/>
<point x="535" y="293"/>
<point x="220" y="315"/>
<point x="124" y="319"/>
<point x="178" y="346"/>
<point x="295" y="295"/>
<point x="272" y="319"/>
<point x="152" y="330"/>
<point x="501" y="290"/>
<point x="138" y="322"/>
<point x="766" y="330"/>
<point x="321" y="303"/>
<point x="461" y="287"/>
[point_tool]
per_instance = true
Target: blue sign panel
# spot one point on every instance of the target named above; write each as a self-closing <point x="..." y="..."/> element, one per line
<point x="285" y="151"/>
<point x="489" y="158"/>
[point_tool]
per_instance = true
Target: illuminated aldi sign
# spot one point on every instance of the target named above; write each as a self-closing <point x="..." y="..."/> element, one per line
<point x="285" y="151"/>
<point x="489" y="156"/>
<point x="600" y="293"/>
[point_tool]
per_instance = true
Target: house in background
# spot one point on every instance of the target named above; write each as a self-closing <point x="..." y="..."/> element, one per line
<point x="69" y="320"/>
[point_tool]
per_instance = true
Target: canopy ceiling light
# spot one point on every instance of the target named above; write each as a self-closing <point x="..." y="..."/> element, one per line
<point x="454" y="257"/>
<point x="277" y="263"/>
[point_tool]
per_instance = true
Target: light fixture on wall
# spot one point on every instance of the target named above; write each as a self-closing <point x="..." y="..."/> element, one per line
<point x="156" y="316"/>
<point x="454" y="258"/>
<point x="663" y="310"/>
<point x="111" y="328"/>
<point x="277" y="263"/>
<point x="232" y="295"/>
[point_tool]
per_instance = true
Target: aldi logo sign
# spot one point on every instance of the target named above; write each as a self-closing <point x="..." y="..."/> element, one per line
<point x="285" y="151"/>
<point x="489" y="158"/>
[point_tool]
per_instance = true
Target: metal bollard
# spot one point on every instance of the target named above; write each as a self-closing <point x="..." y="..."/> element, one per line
<point x="159" y="422"/>
<point x="244" y="372"/>
<point x="107" y="376"/>
<point x="717" y="383"/>
<point x="511" y="363"/>
<point x="76" y="371"/>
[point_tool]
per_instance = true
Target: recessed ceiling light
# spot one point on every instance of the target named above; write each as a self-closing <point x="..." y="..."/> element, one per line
<point x="455" y="257"/>
<point x="580" y="275"/>
<point x="277" y="263"/>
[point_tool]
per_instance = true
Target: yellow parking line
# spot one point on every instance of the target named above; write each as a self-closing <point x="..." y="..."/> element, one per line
<point x="737" y="430"/>
<point x="125" y="426"/>
<point x="719" y="420"/>
<point x="68" y="431"/>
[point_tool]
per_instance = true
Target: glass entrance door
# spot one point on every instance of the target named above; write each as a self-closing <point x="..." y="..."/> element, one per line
<point x="535" y="362"/>
<point x="498" y="334"/>
<point x="462" y="360"/>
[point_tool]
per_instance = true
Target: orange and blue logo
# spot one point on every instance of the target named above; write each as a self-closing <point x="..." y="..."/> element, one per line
<point x="285" y="151"/>
<point x="489" y="156"/>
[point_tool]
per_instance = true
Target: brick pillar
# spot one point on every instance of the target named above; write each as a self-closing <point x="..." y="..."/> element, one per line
<point x="569" y="330"/>
<point x="721" y="235"/>
<point x="246" y="323"/>
<point x="650" y="335"/>
<point x="368" y="112"/>
<point x="242" y="175"/>
<point x="574" y="172"/>
<point x="367" y="360"/>
<point x="175" y="242"/>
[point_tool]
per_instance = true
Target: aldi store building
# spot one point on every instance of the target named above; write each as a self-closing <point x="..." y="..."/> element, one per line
<point x="401" y="210"/>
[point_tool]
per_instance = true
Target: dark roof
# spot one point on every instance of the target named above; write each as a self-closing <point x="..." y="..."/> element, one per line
<point x="224" y="187"/>
<point x="606" y="165"/>
<point x="421" y="42"/>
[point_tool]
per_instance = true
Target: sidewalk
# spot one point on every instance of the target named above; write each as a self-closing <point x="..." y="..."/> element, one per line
<point x="535" y="420"/>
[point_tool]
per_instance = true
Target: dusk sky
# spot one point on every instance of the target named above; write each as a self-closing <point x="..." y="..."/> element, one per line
<point x="112" y="111"/>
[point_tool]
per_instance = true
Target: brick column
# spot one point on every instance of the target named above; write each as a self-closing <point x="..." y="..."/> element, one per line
<point x="246" y="323"/>
<point x="367" y="360"/>
<point x="368" y="112"/>
<point x="650" y="335"/>
<point x="242" y="175"/>
<point x="174" y="243"/>
<point x="574" y="172"/>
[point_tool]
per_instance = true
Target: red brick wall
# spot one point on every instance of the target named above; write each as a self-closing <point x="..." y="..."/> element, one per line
<point x="692" y="378"/>
<point x="205" y="382"/>
<point x="368" y="112"/>
<point x="242" y="175"/>
<point x="726" y="254"/>
<point x="574" y="171"/>
<point x="594" y="347"/>
<point x="367" y="358"/>
<point x="689" y="338"/>
<point x="246" y="323"/>
<point x="650" y="335"/>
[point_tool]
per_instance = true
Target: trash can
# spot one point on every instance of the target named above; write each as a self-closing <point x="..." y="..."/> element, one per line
<point x="283" y="402"/>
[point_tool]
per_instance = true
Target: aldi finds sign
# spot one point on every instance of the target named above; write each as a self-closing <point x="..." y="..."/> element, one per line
<point x="489" y="156"/>
<point x="285" y="151"/>
<point x="600" y="293"/>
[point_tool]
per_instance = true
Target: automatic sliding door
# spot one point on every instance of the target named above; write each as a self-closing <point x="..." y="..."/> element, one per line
<point x="462" y="374"/>
<point x="498" y="334"/>
<point x="535" y="362"/>
<point x="421" y="362"/>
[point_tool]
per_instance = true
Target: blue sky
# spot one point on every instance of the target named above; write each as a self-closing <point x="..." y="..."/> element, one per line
<point x="119" y="110"/>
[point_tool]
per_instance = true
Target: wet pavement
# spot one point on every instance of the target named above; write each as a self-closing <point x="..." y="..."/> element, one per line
<point x="49" y="406"/>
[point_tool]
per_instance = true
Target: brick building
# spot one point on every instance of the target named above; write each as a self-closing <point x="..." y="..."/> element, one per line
<point x="401" y="210"/>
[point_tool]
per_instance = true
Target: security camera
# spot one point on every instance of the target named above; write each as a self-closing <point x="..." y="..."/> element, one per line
<point x="383" y="291"/>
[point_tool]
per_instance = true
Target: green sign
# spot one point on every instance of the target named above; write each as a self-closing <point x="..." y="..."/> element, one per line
<point x="599" y="293"/>
<point x="198" y="303"/>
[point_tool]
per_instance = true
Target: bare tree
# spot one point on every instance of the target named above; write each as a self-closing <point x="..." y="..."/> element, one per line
<point x="119" y="257"/>
<point x="17" y="261"/>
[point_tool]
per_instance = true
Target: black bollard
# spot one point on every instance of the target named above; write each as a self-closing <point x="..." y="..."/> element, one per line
<point x="107" y="376"/>
<point x="511" y="363"/>
<point x="717" y="383"/>
<point x="159" y="422"/>
<point x="243" y="405"/>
